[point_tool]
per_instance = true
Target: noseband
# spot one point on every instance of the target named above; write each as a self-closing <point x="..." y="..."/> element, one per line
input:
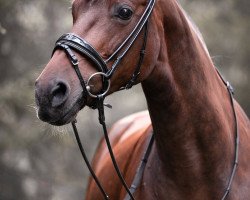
<point x="69" y="42"/>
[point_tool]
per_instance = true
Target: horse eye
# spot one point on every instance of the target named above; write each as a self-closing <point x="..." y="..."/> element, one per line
<point x="124" y="13"/>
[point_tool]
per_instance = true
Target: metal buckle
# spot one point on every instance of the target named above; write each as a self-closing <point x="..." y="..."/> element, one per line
<point x="230" y="87"/>
<point x="88" y="87"/>
<point x="74" y="62"/>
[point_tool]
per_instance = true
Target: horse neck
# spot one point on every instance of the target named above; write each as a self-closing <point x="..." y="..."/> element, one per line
<point x="188" y="103"/>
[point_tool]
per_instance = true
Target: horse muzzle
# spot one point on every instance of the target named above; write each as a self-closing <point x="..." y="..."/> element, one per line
<point x="55" y="102"/>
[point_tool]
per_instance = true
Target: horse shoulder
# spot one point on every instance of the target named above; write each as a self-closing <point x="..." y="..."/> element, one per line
<point x="131" y="126"/>
<point x="124" y="137"/>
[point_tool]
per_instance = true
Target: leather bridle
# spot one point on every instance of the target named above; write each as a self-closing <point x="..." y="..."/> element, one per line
<point x="69" y="42"/>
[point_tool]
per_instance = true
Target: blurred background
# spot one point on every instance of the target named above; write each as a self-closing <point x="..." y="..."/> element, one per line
<point x="38" y="161"/>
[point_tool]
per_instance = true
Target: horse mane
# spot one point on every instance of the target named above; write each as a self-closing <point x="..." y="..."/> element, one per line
<point x="195" y="28"/>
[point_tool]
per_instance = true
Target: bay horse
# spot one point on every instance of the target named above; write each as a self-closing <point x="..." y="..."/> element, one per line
<point x="195" y="123"/>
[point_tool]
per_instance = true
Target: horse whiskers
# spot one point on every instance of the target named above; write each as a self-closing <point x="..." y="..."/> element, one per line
<point x="33" y="106"/>
<point x="60" y="130"/>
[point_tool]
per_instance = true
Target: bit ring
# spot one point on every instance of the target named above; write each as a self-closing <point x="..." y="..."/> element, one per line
<point x="88" y="87"/>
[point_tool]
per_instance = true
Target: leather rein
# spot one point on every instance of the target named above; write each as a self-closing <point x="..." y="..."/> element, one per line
<point x="69" y="42"/>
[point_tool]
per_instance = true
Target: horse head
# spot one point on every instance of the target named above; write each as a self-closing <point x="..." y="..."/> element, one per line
<point x="108" y="30"/>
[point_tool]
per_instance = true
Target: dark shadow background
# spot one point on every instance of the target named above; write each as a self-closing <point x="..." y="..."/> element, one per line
<point x="41" y="162"/>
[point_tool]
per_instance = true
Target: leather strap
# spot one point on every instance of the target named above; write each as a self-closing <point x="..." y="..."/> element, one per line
<point x="84" y="48"/>
<point x="139" y="172"/>
<point x="74" y="61"/>
<point x="71" y="41"/>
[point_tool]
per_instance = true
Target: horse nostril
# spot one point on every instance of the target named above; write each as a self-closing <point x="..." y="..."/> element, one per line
<point x="59" y="94"/>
